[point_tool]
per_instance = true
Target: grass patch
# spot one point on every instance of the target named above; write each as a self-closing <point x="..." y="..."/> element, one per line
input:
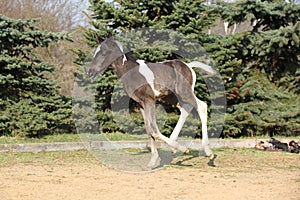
<point x="116" y="136"/>
<point x="136" y="150"/>
<point x="241" y="159"/>
<point x="44" y="139"/>
<point x="230" y="160"/>
<point x="45" y="158"/>
<point x="268" y="137"/>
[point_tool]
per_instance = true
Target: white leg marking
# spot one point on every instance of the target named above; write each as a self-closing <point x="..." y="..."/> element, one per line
<point x="171" y="143"/>
<point x="202" y="110"/>
<point x="148" y="74"/>
<point x="154" y="154"/>
<point x="184" y="112"/>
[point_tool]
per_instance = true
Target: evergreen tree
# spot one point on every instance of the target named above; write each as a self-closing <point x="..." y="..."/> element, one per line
<point x="29" y="102"/>
<point x="261" y="68"/>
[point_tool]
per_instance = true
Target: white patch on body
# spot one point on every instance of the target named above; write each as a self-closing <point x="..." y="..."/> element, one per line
<point x="148" y="74"/>
<point x="124" y="59"/>
<point x="97" y="50"/>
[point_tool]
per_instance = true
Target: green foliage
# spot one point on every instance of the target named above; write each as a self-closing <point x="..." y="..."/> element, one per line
<point x="273" y="43"/>
<point x="276" y="52"/>
<point x="263" y="109"/>
<point x="30" y="103"/>
<point x="261" y="68"/>
<point x="265" y="15"/>
<point x="191" y="18"/>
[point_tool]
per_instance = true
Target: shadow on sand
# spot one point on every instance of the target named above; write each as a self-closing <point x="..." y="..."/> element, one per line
<point x="180" y="159"/>
<point x="136" y="160"/>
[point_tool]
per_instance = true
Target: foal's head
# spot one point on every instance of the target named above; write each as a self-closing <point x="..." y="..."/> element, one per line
<point x="106" y="53"/>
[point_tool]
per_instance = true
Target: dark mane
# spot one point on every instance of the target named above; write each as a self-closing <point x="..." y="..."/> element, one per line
<point x="131" y="56"/>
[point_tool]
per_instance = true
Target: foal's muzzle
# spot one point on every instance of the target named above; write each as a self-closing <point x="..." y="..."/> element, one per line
<point x="91" y="73"/>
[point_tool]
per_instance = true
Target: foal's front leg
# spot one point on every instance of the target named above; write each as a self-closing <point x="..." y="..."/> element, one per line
<point x="154" y="133"/>
<point x="154" y="161"/>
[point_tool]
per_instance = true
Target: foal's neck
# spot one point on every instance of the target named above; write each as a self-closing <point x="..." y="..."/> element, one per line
<point x="119" y="67"/>
<point x="124" y="63"/>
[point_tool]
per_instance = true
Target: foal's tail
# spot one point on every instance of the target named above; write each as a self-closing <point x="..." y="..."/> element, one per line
<point x="202" y="66"/>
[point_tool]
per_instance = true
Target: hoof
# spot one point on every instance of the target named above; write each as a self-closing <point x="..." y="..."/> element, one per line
<point x="187" y="151"/>
<point x="148" y="148"/>
<point x="153" y="163"/>
<point x="150" y="166"/>
<point x="211" y="156"/>
<point x="174" y="151"/>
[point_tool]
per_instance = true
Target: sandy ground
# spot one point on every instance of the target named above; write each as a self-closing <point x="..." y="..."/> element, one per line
<point x="236" y="176"/>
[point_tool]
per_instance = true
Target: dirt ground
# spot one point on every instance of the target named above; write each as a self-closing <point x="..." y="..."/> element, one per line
<point x="238" y="174"/>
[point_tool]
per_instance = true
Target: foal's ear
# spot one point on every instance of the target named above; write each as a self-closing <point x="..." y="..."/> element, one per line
<point x="98" y="39"/>
<point x="110" y="35"/>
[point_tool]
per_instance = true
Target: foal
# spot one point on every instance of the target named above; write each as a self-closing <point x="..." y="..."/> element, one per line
<point x="172" y="81"/>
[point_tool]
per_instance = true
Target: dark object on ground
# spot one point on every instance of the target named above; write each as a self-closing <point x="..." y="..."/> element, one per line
<point x="279" y="145"/>
<point x="276" y="145"/>
<point x="294" y="147"/>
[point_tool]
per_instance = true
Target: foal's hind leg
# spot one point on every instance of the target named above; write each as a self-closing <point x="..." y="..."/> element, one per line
<point x="202" y="111"/>
<point x="188" y="97"/>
